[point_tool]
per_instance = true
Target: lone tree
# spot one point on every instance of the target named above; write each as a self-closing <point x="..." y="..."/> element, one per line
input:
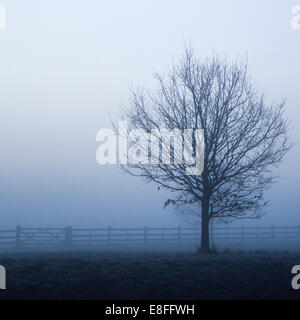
<point x="245" y="137"/>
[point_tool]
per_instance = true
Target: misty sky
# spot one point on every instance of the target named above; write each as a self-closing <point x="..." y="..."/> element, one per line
<point x="64" y="65"/>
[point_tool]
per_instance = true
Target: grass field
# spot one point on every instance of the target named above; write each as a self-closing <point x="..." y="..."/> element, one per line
<point x="113" y="275"/>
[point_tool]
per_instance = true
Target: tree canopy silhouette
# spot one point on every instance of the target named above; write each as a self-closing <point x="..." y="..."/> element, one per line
<point x="245" y="137"/>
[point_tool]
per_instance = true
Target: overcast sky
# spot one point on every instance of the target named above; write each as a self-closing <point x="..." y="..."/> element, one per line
<point x="65" y="64"/>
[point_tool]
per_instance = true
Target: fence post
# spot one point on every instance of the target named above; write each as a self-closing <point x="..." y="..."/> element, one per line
<point x="68" y="237"/>
<point x="90" y="236"/>
<point x="179" y="235"/>
<point x="18" y="236"/>
<point x="109" y="234"/>
<point x="272" y="232"/>
<point x="145" y="234"/>
<point x="211" y="233"/>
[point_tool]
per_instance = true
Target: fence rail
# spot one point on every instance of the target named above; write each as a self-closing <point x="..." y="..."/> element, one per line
<point x="69" y="237"/>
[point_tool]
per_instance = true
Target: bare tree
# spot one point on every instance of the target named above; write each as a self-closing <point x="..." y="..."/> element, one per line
<point x="245" y="137"/>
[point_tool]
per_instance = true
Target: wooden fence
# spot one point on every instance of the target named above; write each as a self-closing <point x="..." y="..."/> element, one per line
<point x="68" y="237"/>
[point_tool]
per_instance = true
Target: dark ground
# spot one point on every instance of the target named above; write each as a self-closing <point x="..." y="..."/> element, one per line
<point x="111" y="275"/>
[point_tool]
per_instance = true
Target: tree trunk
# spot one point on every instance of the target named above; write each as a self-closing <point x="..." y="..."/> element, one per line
<point x="205" y="226"/>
